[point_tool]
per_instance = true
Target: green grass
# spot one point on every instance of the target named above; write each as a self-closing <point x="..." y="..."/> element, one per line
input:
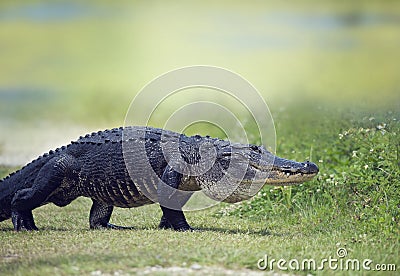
<point x="360" y="171"/>
<point x="356" y="194"/>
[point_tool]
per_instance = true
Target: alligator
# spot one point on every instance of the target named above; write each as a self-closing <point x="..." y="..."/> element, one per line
<point x="134" y="166"/>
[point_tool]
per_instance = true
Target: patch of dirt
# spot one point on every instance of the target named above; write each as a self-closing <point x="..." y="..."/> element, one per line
<point x="194" y="269"/>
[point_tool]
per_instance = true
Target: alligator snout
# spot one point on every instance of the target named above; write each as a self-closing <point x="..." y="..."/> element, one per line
<point x="293" y="167"/>
<point x="309" y="168"/>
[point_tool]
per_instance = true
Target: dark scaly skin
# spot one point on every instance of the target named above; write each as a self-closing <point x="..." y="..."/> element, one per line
<point x="94" y="167"/>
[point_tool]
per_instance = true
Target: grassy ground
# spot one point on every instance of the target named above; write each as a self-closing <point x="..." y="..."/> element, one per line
<point x="353" y="204"/>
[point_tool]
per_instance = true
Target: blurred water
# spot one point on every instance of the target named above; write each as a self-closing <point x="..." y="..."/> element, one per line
<point x="15" y="95"/>
<point x="65" y="10"/>
<point x="331" y="20"/>
<point x="52" y="11"/>
<point x="292" y="23"/>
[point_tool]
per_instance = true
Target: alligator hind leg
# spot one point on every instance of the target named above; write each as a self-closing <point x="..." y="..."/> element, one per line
<point x="23" y="221"/>
<point x="100" y="215"/>
<point x="46" y="182"/>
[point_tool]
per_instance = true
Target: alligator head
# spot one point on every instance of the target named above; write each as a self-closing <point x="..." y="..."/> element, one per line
<point x="242" y="170"/>
<point x="273" y="170"/>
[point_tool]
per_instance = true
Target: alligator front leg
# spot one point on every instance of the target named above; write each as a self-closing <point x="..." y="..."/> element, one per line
<point x="164" y="222"/>
<point x="46" y="182"/>
<point x="100" y="215"/>
<point x="175" y="219"/>
<point x="171" y="201"/>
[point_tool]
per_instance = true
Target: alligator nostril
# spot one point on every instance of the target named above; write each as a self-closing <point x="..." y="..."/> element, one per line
<point x="311" y="167"/>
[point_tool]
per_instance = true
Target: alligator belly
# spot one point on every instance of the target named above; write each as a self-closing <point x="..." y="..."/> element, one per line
<point x="115" y="192"/>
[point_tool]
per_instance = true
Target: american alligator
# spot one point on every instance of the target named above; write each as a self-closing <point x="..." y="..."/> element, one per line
<point x="133" y="166"/>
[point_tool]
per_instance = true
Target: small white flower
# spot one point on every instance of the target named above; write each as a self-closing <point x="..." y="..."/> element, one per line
<point x="366" y="167"/>
<point x="354" y="153"/>
<point x="381" y="126"/>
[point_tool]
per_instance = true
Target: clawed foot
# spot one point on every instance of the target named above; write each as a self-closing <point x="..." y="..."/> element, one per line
<point x="183" y="227"/>
<point x="23" y="221"/>
<point x="111" y="226"/>
<point x="165" y="224"/>
<point x="117" y="227"/>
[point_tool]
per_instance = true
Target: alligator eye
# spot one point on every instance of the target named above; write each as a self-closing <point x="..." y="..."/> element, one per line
<point x="255" y="148"/>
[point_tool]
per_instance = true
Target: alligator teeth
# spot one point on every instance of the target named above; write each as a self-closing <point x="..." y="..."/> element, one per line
<point x="288" y="174"/>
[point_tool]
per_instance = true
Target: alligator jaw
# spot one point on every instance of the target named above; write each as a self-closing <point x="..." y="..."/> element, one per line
<point x="283" y="179"/>
<point x="287" y="172"/>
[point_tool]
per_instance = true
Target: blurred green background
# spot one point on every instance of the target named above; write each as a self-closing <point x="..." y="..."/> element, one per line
<point x="72" y="66"/>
